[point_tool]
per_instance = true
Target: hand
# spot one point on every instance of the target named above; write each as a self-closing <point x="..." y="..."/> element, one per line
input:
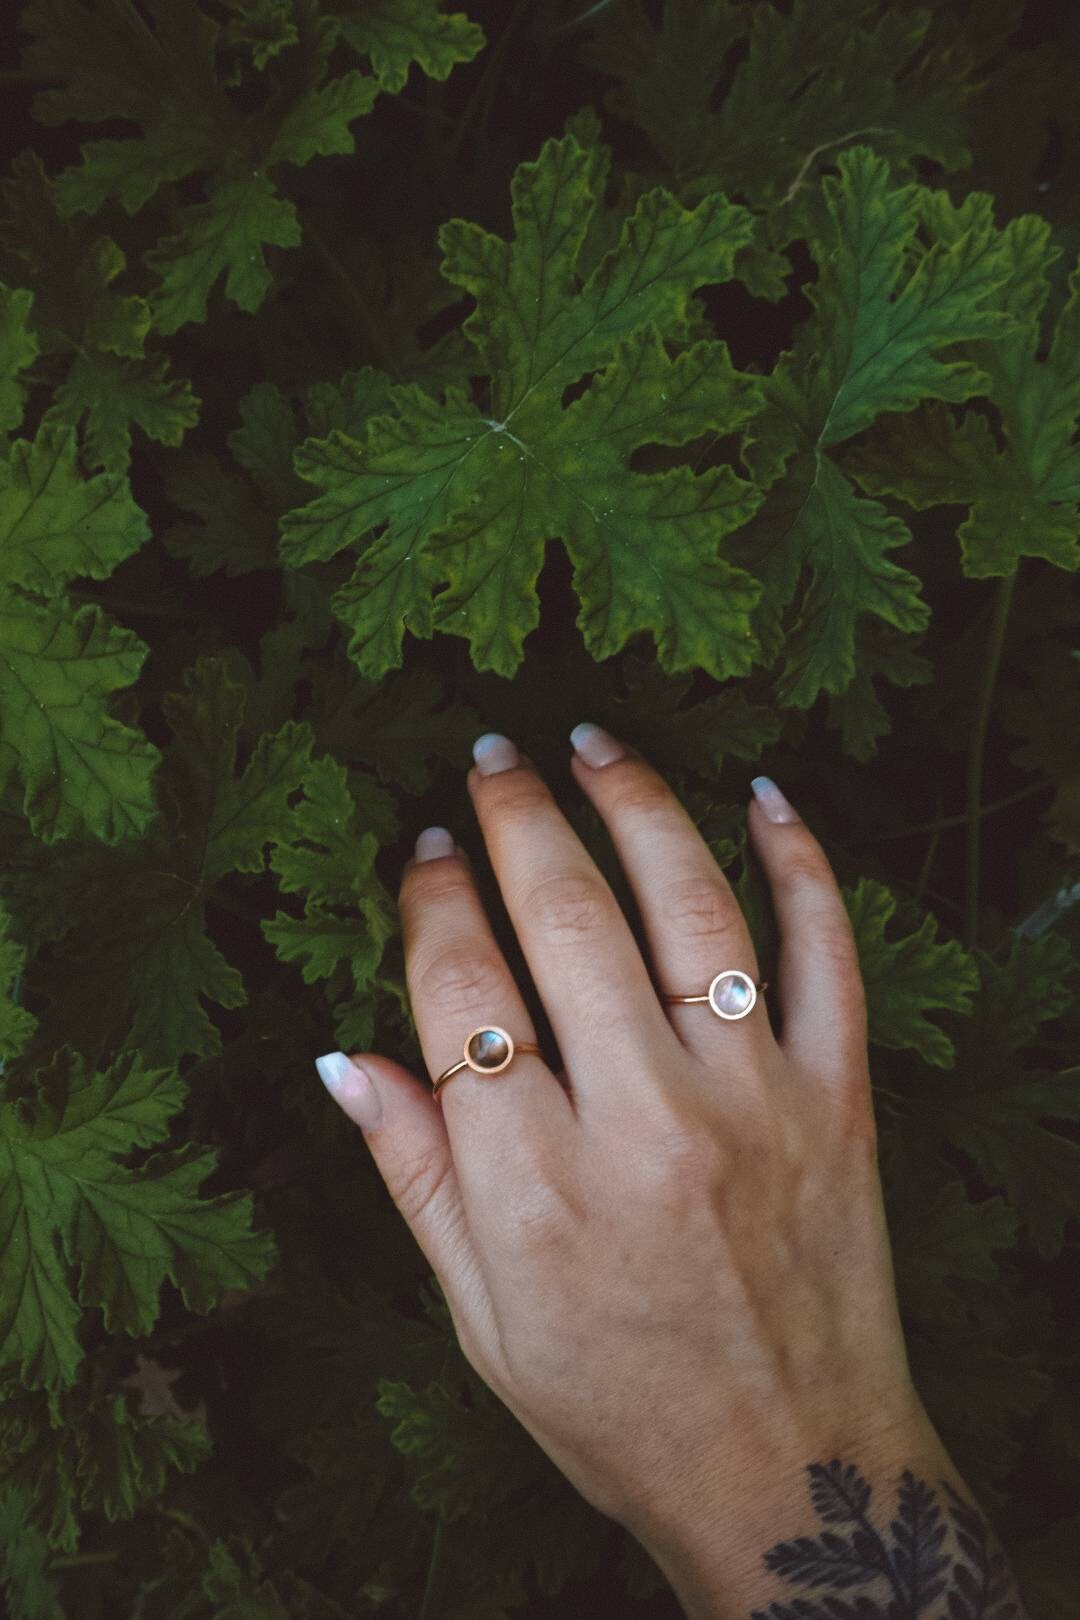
<point x="670" y="1261"/>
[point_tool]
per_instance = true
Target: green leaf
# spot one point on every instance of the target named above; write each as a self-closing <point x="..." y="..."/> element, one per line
<point x="138" y="955"/>
<point x="55" y="525"/>
<point x="943" y="1244"/>
<point x="469" y="499"/>
<point x="29" y="1592"/>
<point x="170" y="86"/>
<point x="225" y="234"/>
<point x="462" y="1457"/>
<point x="400" y="32"/>
<point x="858" y="712"/>
<point x="1003" y="1130"/>
<point x="111" y="394"/>
<point x="844" y="541"/>
<point x="235" y="1585"/>
<point x="905" y="977"/>
<point x="883" y="322"/>
<point x="883" y="305"/>
<point x="83" y="771"/>
<point x="266" y="26"/>
<point x="1042" y="968"/>
<point x="18" y="348"/>
<point x="1023" y="497"/>
<point x="17" y="1024"/>
<point x="810" y="77"/>
<point x="110" y="383"/>
<point x="125" y="1460"/>
<point x="339" y="871"/>
<point x="126" y="1230"/>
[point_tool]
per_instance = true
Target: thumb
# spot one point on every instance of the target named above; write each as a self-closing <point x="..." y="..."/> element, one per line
<point x="404" y="1129"/>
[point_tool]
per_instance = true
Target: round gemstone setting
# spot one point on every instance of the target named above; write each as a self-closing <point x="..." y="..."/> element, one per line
<point x="488" y="1050"/>
<point x="732" y="994"/>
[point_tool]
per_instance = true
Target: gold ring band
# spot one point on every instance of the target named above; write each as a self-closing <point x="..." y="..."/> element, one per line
<point x="495" y="1047"/>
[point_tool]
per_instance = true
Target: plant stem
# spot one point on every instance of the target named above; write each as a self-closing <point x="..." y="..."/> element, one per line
<point x="436" y="1576"/>
<point x="961" y="821"/>
<point x="998" y="621"/>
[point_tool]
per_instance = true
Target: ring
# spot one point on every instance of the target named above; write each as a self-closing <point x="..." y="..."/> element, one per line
<point x="489" y="1049"/>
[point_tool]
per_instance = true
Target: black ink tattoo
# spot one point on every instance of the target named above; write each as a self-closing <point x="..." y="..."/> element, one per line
<point x="912" y="1567"/>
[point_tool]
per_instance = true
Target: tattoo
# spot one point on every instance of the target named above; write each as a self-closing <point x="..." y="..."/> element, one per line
<point x="968" y="1580"/>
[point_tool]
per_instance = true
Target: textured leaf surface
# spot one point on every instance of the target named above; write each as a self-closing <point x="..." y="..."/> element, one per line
<point x="170" y="85"/>
<point x="111" y="383"/>
<point x="810" y="77"/>
<point x="140" y="950"/>
<point x="400" y="32"/>
<point x="904" y="978"/>
<point x="18" y="348"/>
<point x="82" y="769"/>
<point x="884" y="304"/>
<point x="472" y="499"/>
<point x="126" y="1230"/>
<point x="1024" y="498"/>
<point x="30" y="1592"/>
<point x="1003" y="1129"/>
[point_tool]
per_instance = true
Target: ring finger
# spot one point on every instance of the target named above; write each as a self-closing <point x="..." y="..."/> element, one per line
<point x="692" y="919"/>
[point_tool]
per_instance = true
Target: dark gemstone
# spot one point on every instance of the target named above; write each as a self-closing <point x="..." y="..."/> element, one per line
<point x="488" y="1049"/>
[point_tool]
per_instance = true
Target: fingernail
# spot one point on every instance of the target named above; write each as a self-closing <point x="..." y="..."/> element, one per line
<point x="771" y="800"/>
<point x="432" y="842"/>
<point x="595" y="745"/>
<point x="494" y="753"/>
<point x="350" y="1088"/>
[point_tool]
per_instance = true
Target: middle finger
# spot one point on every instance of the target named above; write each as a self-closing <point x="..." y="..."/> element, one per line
<point x="579" y="947"/>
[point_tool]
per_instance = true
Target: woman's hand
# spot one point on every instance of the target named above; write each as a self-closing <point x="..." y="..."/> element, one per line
<point x="671" y="1262"/>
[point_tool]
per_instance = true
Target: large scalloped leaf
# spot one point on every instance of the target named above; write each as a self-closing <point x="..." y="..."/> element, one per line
<point x="472" y="498"/>
<point x="126" y="1230"/>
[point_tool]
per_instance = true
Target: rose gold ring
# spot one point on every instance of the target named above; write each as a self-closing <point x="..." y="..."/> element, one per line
<point x="490" y="1049"/>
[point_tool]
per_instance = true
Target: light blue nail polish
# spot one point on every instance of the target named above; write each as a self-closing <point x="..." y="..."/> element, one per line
<point x="433" y="842"/>
<point x="772" y="801"/>
<point x="350" y="1087"/>
<point x="493" y="752"/>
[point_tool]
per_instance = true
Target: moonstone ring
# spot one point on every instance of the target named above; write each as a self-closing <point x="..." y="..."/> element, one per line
<point x="489" y="1049"/>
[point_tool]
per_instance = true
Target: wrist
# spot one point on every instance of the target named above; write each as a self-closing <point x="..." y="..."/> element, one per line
<point x="851" y="1521"/>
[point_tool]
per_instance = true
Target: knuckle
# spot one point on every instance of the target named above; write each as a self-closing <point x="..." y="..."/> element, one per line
<point x="808" y="865"/>
<point x="429" y="883"/>
<point x="641" y="794"/>
<point x="460" y="978"/>
<point x="569" y="905"/>
<point x="516" y="797"/>
<point x="415" y="1182"/>
<point x="696" y="906"/>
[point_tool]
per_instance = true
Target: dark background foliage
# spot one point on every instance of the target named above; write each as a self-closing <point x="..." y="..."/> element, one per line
<point x="311" y="1502"/>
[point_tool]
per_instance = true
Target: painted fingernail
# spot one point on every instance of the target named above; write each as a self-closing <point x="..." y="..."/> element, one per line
<point x="771" y="800"/>
<point x="432" y="842"/>
<point x="350" y="1088"/>
<point x="595" y="745"/>
<point x="494" y="753"/>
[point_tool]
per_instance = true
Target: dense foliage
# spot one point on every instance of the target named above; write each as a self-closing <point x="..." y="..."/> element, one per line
<point x="372" y="376"/>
